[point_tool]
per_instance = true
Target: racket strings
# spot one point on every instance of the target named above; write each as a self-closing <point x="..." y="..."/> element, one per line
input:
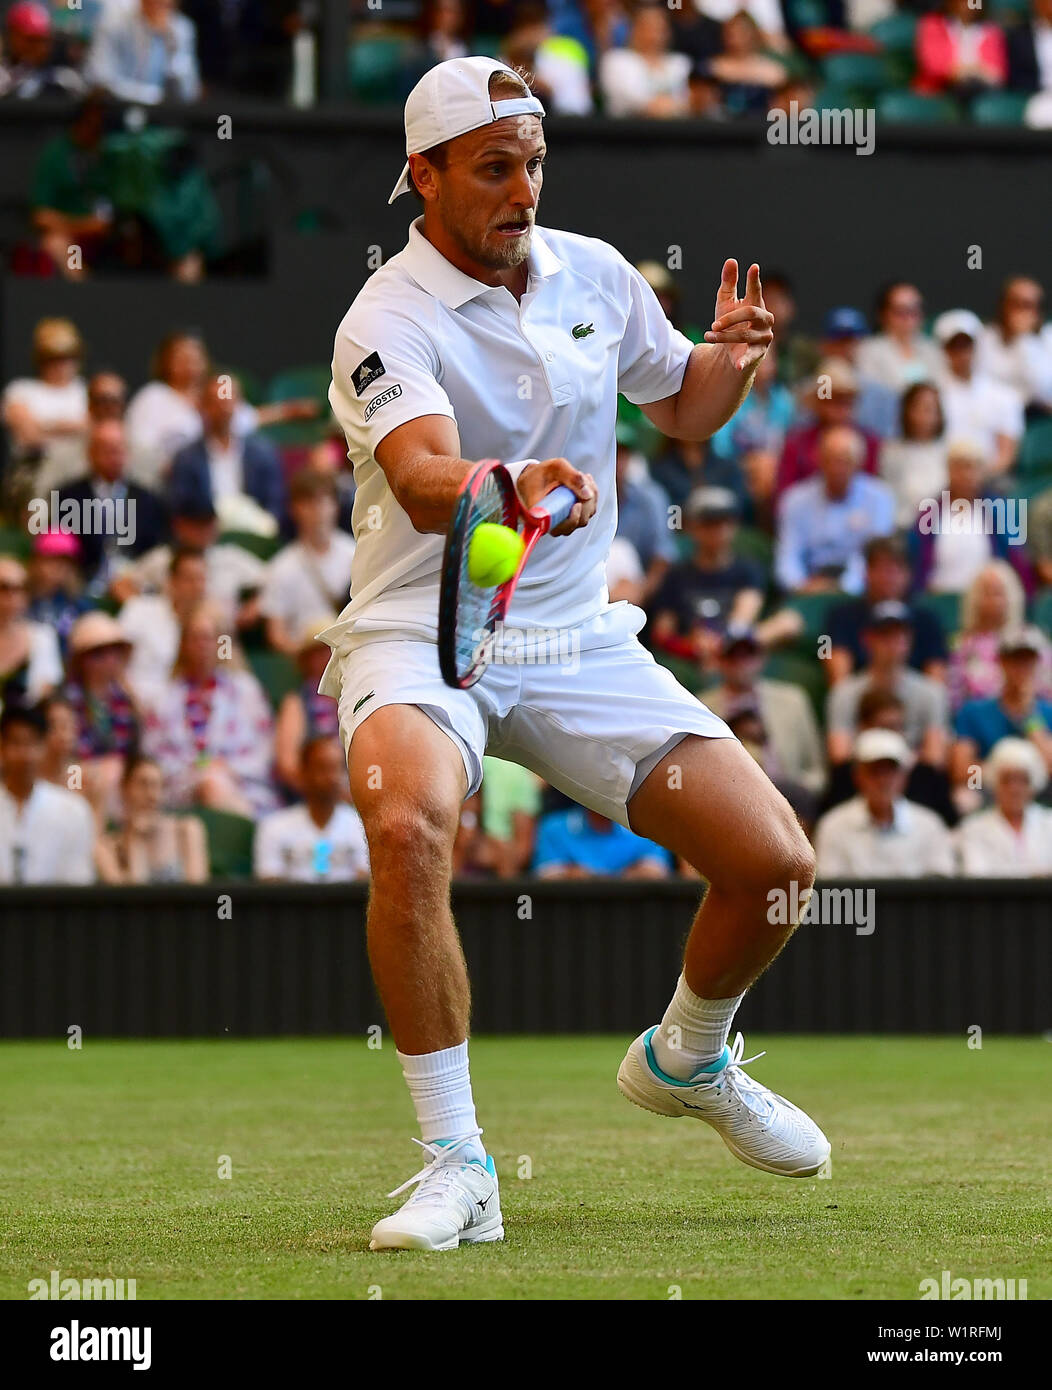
<point x="477" y="607"/>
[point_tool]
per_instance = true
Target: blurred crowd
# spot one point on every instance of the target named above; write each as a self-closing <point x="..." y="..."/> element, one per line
<point x="855" y="572"/>
<point x="716" y="59"/>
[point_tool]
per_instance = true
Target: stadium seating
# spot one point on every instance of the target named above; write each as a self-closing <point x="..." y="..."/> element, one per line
<point x="859" y="72"/>
<point x="897" y="33"/>
<point x="276" y="673"/>
<point x="311" y="383"/>
<point x="999" y="108"/>
<point x="229" y="842"/>
<point x="946" y="607"/>
<point x="1035" y="453"/>
<point x="375" y="68"/>
<point x="264" y="546"/>
<point x="911" y="108"/>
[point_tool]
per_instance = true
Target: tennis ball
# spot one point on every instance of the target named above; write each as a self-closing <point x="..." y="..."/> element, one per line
<point x="493" y="555"/>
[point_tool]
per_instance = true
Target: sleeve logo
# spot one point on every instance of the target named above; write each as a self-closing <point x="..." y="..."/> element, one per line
<point x="382" y="399"/>
<point x="366" y="373"/>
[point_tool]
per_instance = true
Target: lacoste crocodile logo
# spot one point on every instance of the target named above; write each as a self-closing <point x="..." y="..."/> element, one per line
<point x="582" y="330"/>
<point x="362" y="701"/>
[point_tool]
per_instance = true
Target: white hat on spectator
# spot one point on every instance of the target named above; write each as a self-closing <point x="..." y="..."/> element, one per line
<point x="1023" y="638"/>
<point x="882" y="745"/>
<point x="957" y="323"/>
<point x="451" y="99"/>
<point x="1019" y="755"/>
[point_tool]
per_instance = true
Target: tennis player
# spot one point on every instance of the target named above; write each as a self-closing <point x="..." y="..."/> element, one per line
<point x="488" y="337"/>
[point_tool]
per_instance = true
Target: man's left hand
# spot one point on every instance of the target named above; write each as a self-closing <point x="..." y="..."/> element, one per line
<point x="743" y="327"/>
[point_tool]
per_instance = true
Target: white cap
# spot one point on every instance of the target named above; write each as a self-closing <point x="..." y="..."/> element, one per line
<point x="955" y="322"/>
<point x="882" y="745"/>
<point x="1020" y="755"/>
<point x="451" y="99"/>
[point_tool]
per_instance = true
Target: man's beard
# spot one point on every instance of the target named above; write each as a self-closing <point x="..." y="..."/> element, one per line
<point x="503" y="255"/>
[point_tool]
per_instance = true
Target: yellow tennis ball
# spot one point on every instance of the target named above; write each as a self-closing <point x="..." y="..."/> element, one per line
<point x="494" y="554"/>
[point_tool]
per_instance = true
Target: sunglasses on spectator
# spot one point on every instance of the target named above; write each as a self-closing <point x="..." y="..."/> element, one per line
<point x="911" y="308"/>
<point x="13" y="586"/>
<point x="1018" y="301"/>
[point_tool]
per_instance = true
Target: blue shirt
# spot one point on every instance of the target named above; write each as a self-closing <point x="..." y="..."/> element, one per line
<point x="758" y="423"/>
<point x="816" y="533"/>
<point x="137" y="63"/>
<point x="986" y="723"/>
<point x="569" y="837"/>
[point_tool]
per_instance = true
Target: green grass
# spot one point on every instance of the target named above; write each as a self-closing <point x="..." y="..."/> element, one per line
<point x="109" y="1159"/>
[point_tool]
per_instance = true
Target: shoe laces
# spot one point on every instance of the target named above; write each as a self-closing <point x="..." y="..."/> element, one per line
<point x="753" y="1094"/>
<point x="433" y="1181"/>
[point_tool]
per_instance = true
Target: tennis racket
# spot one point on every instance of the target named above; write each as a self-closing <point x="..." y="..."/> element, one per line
<point x="468" y="613"/>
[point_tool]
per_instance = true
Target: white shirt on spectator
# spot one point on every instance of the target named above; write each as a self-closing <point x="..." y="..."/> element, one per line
<point x="766" y="13"/>
<point x="630" y="83"/>
<point x="990" y="848"/>
<point x="849" y="845"/>
<point x="289" y="845"/>
<point x="44" y="662"/>
<point x="150" y="624"/>
<point x="225" y="468"/>
<point x="980" y="410"/>
<point x="230" y="568"/>
<point x="1024" y="365"/>
<point x="50" y="838"/>
<point x="958" y="558"/>
<point x="160" y="421"/>
<point x="881" y="359"/>
<point x="300" y="583"/>
<point x="1043" y="53"/>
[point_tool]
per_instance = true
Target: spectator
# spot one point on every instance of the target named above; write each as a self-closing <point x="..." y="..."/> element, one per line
<point x="71" y="196"/>
<point x="886" y="638"/>
<point x="313" y="572"/>
<point x="46" y="833"/>
<point x="762" y="421"/>
<point x="798" y="355"/>
<point x="558" y="63"/>
<point x="1029" y="44"/>
<point x="583" y="844"/>
<point x="878" y="833"/>
<point x="60" y="764"/>
<point x="887" y="579"/>
<point x="511" y="801"/>
<point x="322" y="839"/>
<point x="114" y="520"/>
<point x="1040" y="536"/>
<point x="31" y="70"/>
<point x="30" y="660"/>
<point x="624" y="572"/>
<point x="108" y="722"/>
<point x="235" y="575"/>
<point x="899" y="354"/>
<point x="150" y="846"/>
<point x="55" y="589"/>
<point x="210" y="729"/>
<point x="164" y="416"/>
<point x="1017" y="712"/>
<point x="642" y="512"/>
<point x="993" y="603"/>
<point x="825" y="521"/>
<point x="832" y="403"/>
<point x="914" y="464"/>
<point x="954" y="536"/>
<point x="645" y="78"/>
<point x="223" y="463"/>
<point x="792" y="745"/>
<point x="443" y="30"/>
<point x="1013" y="838"/>
<point x="978" y="409"/>
<point x="713" y="590"/>
<point x="146" y="55"/>
<point x="1013" y="351"/>
<point x="244" y="46"/>
<point x="959" y="52"/>
<point x="766" y="15"/>
<point x="746" y="73"/>
<point x="107" y="397"/>
<point x="152" y="623"/>
<point x="303" y="714"/>
<point x="45" y="415"/>
<point x="876" y="406"/>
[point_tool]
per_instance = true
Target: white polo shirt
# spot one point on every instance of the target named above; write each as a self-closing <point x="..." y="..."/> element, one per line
<point x="915" y="845"/>
<point x="523" y="381"/>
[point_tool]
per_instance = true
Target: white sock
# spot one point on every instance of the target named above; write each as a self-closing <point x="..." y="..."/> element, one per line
<point x="440" y="1085"/>
<point x="693" y="1032"/>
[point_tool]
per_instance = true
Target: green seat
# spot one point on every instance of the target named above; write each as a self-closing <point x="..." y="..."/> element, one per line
<point x="999" y="108"/>
<point x="1041" y="613"/>
<point x="229" y="842"/>
<point x="277" y="673"/>
<point x="1035" y="452"/>
<point x="813" y="608"/>
<point x="911" y="108"/>
<point x="14" y="541"/>
<point x="863" y="72"/>
<point x="804" y="671"/>
<point x="376" y="68"/>
<point x="310" y="383"/>
<point x="262" y="546"/>
<point x="1007" y="9"/>
<point x="829" y="98"/>
<point x="1031" y="485"/>
<point x="251" y="385"/>
<point x="808" y="14"/>
<point x="685" y="671"/>
<point x="897" y="32"/>
<point x="945" y="607"/>
<point x="752" y="544"/>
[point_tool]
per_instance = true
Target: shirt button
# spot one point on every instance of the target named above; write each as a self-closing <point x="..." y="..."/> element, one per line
<point x="549" y="357"/>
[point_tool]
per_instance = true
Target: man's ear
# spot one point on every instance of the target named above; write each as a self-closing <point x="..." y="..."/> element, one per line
<point x="423" y="174"/>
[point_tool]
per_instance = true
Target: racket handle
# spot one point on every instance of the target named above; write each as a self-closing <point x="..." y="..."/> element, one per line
<point x="558" y="505"/>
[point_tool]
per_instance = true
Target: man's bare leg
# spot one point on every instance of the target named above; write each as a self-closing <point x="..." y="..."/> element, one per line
<point x="408" y="783"/>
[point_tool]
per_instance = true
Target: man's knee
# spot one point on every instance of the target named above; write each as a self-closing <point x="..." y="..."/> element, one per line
<point x="782" y="856"/>
<point x="410" y="836"/>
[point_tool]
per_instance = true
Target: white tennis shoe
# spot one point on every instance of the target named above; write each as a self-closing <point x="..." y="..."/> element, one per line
<point x="758" y="1126"/>
<point x="457" y="1202"/>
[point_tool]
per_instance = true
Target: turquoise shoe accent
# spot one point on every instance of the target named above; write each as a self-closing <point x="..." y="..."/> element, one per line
<point x="491" y="1167"/>
<point x="718" y="1065"/>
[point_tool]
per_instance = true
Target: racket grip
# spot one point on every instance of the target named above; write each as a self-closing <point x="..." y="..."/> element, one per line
<point x="558" y="505"/>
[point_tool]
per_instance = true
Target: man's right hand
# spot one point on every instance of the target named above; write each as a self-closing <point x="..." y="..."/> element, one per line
<point x="538" y="479"/>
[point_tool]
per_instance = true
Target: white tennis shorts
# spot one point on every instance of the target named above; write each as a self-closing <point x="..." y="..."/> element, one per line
<point x="594" y="719"/>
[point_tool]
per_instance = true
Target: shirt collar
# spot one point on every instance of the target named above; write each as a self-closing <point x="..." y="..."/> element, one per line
<point x="432" y="272"/>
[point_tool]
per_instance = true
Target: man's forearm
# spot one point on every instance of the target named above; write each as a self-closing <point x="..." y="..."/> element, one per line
<point x="711" y="392"/>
